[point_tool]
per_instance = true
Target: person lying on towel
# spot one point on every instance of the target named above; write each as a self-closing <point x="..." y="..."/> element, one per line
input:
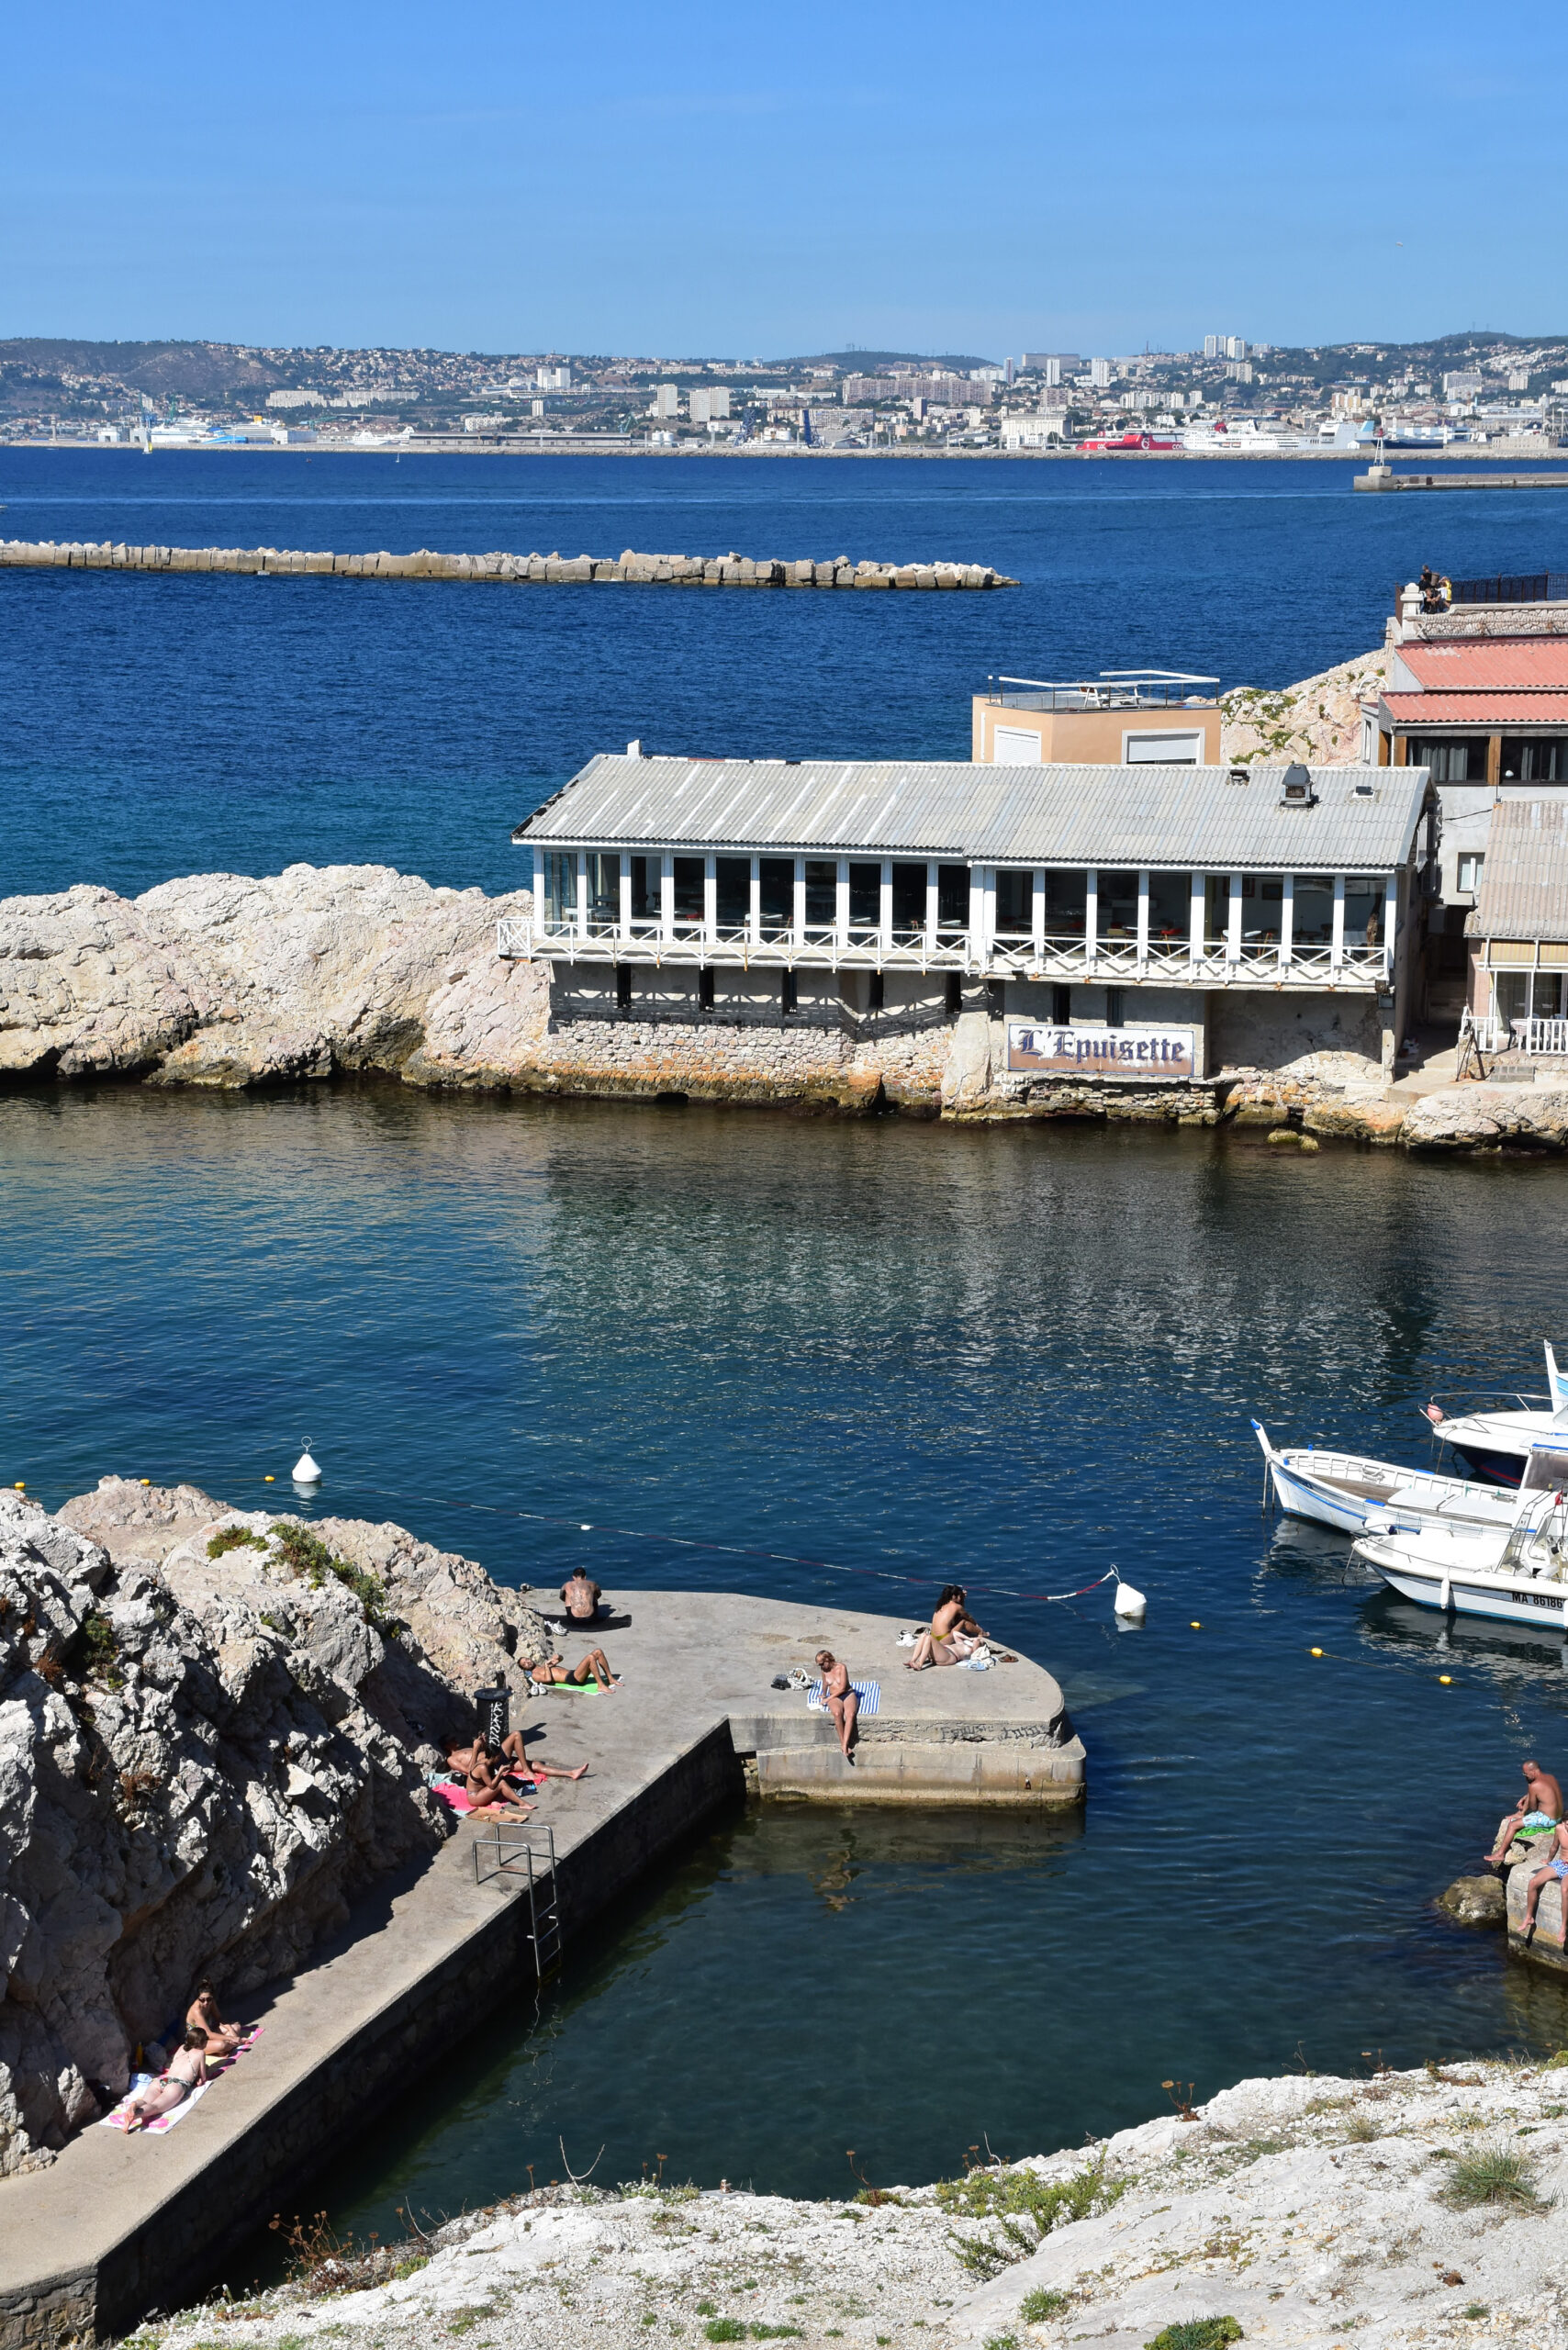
<point x="595" y="1666"/>
<point x="187" y="2069"/>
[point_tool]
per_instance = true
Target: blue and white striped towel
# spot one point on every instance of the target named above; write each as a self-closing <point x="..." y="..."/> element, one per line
<point x="869" y="1692"/>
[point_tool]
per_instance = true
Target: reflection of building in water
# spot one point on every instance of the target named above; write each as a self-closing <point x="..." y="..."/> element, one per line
<point x="737" y="904"/>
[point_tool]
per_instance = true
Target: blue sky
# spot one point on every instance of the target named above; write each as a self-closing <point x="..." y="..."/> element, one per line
<point x="676" y="180"/>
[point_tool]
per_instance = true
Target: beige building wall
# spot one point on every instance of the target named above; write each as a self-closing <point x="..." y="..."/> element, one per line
<point x="1092" y="737"/>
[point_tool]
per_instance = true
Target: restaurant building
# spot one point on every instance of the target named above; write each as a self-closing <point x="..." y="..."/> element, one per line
<point x="1154" y="923"/>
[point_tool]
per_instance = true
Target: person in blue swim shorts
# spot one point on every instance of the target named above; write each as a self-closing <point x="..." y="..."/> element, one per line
<point x="1537" y="1813"/>
<point x="1556" y="1866"/>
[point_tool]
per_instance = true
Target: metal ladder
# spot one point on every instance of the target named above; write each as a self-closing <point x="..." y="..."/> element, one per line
<point x="511" y="1852"/>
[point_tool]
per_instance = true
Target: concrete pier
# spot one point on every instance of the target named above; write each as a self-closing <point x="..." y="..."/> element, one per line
<point x="118" y="2225"/>
<point x="628" y="569"/>
<point x="1381" y="477"/>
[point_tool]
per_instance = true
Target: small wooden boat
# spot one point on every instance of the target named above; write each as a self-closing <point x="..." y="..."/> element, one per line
<point x="1519" y="1576"/>
<point x="1343" y="1489"/>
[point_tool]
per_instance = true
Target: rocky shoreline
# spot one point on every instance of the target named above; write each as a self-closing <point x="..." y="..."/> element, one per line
<point x="1393" y="2208"/>
<point x="215" y="1726"/>
<point x="230" y="983"/>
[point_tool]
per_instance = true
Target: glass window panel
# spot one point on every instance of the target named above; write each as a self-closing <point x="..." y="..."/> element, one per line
<point x="952" y="897"/>
<point x="866" y="896"/>
<point x="1458" y="758"/>
<point x="1118" y="905"/>
<point x="1216" y="908"/>
<point x="1312" y="924"/>
<point x="646" y="889"/>
<point x="1535" y="758"/>
<point x="1067" y="900"/>
<point x="560" y="888"/>
<point x="603" y="888"/>
<point x="689" y="880"/>
<point x="822" y="893"/>
<point x="775" y="876"/>
<point x="1015" y="904"/>
<point x="1363" y="910"/>
<point x="909" y="900"/>
<point x="1170" y="907"/>
<point x="732" y="877"/>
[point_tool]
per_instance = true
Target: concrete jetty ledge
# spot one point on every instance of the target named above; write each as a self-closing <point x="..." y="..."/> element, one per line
<point x="118" y="2225"/>
<point x="627" y="569"/>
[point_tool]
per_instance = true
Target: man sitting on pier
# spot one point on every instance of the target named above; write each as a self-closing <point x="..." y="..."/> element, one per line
<point x="839" y="1699"/>
<point x="1537" y="1813"/>
<point x="580" y="1597"/>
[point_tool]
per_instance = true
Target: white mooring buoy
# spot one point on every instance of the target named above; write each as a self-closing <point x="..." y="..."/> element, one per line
<point x="1130" y="1604"/>
<point x="305" y="1472"/>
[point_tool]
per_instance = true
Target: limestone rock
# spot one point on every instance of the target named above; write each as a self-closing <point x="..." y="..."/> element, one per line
<point x="203" y="1759"/>
<point x="218" y="979"/>
<point x="1476" y="1901"/>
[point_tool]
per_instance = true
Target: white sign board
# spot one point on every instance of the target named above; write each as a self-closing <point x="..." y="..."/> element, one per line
<point x="1047" y="1048"/>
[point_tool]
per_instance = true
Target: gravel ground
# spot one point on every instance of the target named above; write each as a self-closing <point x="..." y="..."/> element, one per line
<point x="1401" y="2209"/>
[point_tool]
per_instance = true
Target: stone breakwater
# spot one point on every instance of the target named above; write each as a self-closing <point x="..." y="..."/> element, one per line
<point x="1310" y="2211"/>
<point x="629" y="568"/>
<point x="204" y="1758"/>
<point x="224" y="982"/>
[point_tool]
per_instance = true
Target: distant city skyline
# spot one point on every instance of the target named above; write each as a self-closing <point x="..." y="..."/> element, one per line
<point x="372" y="177"/>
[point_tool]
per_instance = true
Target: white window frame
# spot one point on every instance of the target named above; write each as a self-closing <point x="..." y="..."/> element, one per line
<point x="1165" y="736"/>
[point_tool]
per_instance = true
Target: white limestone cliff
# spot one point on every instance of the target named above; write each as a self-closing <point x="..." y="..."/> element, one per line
<point x="204" y="1758"/>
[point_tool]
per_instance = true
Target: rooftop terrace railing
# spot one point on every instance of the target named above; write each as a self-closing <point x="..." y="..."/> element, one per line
<point x="1112" y="690"/>
<point x="1524" y="588"/>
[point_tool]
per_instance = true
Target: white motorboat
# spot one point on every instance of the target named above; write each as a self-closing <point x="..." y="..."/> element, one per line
<point x="1344" y="1489"/>
<point x="1519" y="1576"/>
<point x="1495" y="1438"/>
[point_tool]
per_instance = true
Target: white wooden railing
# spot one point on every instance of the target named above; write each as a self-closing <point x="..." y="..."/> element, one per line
<point x="1010" y="955"/>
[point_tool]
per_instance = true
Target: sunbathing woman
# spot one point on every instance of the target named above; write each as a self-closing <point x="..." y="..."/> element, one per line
<point x="509" y="1761"/>
<point x="952" y="1634"/>
<point x="595" y="1666"/>
<point x="490" y="1791"/>
<point x="202" y="2015"/>
<point x="186" y="2070"/>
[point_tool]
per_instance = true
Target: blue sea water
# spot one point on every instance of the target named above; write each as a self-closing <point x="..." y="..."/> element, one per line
<point x="160" y="726"/>
<point x="901" y="1353"/>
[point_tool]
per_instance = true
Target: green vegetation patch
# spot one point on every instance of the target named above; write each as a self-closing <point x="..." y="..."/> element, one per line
<point x="1041" y="2304"/>
<point x="310" y="1558"/>
<point x="98" y="1649"/>
<point x="1198" y="2334"/>
<point x="1493" y="2174"/>
<point x="1018" y="2209"/>
<point x="235" y="1538"/>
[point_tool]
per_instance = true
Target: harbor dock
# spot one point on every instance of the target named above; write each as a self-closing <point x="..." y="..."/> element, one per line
<point x="116" y="2224"/>
<point x="627" y="569"/>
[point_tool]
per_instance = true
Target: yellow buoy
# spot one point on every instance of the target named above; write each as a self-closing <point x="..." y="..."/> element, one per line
<point x="146" y="1480"/>
<point x="21" y="1484"/>
<point x="1447" y="1680"/>
<point x="269" y="1481"/>
<point x="1197" y="1626"/>
<point x="1317" y="1651"/>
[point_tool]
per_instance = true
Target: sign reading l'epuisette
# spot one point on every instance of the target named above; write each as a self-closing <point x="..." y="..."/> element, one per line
<point x="1046" y="1048"/>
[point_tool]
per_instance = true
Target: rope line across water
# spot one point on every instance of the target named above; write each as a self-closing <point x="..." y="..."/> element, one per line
<point x="725" y="1549"/>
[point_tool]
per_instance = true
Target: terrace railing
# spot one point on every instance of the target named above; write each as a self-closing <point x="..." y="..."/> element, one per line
<point x="1523" y="587"/>
<point x="1017" y="955"/>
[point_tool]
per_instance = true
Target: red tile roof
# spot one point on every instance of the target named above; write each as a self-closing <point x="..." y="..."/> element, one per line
<point x="1478" y="709"/>
<point x="1518" y="665"/>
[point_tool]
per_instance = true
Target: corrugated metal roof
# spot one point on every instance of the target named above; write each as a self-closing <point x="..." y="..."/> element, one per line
<point x="1489" y="665"/>
<point x="1524" y="882"/>
<point x="1167" y="817"/>
<point x="1477" y="709"/>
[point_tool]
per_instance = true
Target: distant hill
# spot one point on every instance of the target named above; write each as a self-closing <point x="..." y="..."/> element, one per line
<point x="192" y="371"/>
<point x="866" y="362"/>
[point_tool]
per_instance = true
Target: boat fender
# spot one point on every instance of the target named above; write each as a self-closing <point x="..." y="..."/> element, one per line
<point x="1445" y="1596"/>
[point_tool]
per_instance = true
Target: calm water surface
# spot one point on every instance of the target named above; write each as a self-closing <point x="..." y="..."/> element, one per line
<point x="162" y="726"/>
<point x="909" y="1352"/>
